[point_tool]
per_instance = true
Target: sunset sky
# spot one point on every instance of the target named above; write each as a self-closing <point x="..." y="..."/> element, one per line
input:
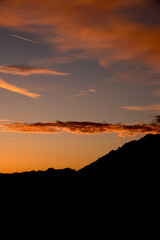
<point x="78" y="78"/>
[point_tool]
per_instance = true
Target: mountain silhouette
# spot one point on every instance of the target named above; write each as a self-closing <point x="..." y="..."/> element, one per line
<point x="135" y="159"/>
<point x="138" y="159"/>
<point x="51" y="172"/>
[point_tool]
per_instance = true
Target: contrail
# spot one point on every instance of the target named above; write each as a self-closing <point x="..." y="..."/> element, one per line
<point x="26" y="39"/>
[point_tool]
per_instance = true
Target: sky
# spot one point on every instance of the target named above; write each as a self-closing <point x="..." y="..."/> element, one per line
<point x="78" y="78"/>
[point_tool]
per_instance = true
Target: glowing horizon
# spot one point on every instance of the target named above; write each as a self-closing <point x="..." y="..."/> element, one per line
<point x="92" y="64"/>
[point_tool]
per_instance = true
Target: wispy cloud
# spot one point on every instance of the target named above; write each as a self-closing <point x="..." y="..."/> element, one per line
<point x="92" y="90"/>
<point x="26" y="39"/>
<point x="13" y="88"/>
<point x="82" y="127"/>
<point x="4" y="120"/>
<point x="151" y="107"/>
<point x="28" y="70"/>
<point x="80" y="94"/>
<point x="118" y="29"/>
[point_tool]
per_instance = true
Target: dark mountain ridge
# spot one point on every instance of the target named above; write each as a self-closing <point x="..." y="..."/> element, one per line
<point x="135" y="159"/>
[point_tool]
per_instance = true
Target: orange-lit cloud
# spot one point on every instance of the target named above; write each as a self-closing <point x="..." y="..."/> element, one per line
<point x="4" y="120"/>
<point x="82" y="127"/>
<point x="80" y="94"/>
<point x="27" y="70"/>
<point x="152" y="107"/>
<point x="92" y="90"/>
<point x="106" y="30"/>
<point x="13" y="88"/>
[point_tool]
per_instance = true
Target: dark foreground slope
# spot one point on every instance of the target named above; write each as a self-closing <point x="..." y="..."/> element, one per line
<point x="134" y="160"/>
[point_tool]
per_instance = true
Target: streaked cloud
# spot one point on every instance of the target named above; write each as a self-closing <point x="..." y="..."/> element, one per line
<point x="92" y="90"/>
<point x="80" y="94"/>
<point x="82" y="127"/>
<point x="151" y="107"/>
<point x="26" y="39"/>
<point x="4" y="120"/>
<point x="27" y="70"/>
<point x="108" y="31"/>
<point x="13" y="88"/>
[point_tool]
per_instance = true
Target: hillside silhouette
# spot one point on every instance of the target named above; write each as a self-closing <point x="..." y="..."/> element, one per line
<point x="134" y="160"/>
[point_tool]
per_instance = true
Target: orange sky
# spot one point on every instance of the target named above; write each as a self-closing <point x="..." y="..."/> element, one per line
<point x="76" y="66"/>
